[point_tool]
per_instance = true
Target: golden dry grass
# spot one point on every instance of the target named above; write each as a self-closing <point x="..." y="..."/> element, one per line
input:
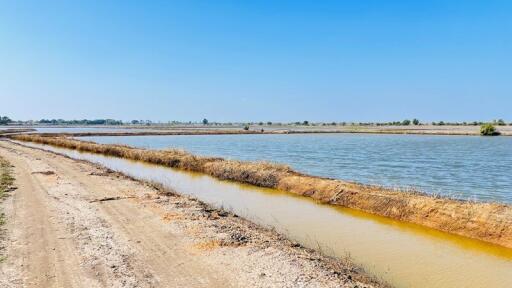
<point x="491" y="222"/>
<point x="208" y="245"/>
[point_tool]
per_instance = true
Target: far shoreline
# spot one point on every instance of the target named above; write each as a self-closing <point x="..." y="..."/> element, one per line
<point x="169" y="130"/>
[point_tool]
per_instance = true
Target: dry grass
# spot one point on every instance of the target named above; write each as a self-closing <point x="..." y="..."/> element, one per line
<point x="491" y="222"/>
<point x="258" y="173"/>
<point x="6" y="178"/>
<point x="208" y="245"/>
<point x="6" y="186"/>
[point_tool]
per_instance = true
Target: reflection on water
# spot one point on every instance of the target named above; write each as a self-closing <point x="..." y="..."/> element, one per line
<point x="403" y="254"/>
<point x="459" y="166"/>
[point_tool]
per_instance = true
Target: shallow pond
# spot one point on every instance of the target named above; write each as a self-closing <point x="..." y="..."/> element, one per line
<point x="468" y="167"/>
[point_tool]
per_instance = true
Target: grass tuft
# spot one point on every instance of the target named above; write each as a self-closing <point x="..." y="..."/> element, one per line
<point x="6" y="185"/>
<point x="6" y="178"/>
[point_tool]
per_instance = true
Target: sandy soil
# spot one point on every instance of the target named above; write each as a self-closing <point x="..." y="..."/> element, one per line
<point x="59" y="234"/>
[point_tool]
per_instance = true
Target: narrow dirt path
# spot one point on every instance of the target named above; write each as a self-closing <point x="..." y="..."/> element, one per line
<point x="60" y="235"/>
<point x="52" y="201"/>
<point x="42" y="251"/>
<point x="156" y="247"/>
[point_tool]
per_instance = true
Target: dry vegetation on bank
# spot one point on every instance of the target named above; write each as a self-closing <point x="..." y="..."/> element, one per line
<point x="6" y="186"/>
<point x="489" y="222"/>
<point x="15" y="131"/>
<point x="6" y="182"/>
<point x="6" y="179"/>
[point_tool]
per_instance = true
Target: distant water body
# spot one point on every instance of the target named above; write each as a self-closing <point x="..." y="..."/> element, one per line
<point x="467" y="167"/>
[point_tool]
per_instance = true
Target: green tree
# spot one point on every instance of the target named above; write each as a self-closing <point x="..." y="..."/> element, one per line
<point x="488" y="130"/>
<point x="5" y="120"/>
<point x="205" y="121"/>
<point x="406" y="122"/>
<point x="306" y="123"/>
<point x="415" y="121"/>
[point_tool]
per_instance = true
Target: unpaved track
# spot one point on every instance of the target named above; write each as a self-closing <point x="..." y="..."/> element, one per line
<point x="57" y="237"/>
<point x="45" y="254"/>
<point x="41" y="249"/>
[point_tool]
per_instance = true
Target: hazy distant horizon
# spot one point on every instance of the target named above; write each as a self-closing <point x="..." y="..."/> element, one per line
<point x="286" y="61"/>
<point x="265" y="122"/>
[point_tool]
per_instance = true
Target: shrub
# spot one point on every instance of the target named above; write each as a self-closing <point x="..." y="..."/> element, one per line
<point x="488" y="130"/>
<point x="406" y="122"/>
<point x="246" y="127"/>
<point x="5" y="120"/>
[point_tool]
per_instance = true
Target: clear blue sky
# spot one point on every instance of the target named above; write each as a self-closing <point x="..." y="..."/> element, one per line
<point x="256" y="60"/>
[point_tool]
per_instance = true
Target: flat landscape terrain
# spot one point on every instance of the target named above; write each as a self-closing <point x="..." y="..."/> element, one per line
<point x="428" y="129"/>
<point x="73" y="224"/>
<point x="275" y="144"/>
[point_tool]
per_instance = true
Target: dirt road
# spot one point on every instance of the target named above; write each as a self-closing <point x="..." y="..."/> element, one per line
<point x="61" y="234"/>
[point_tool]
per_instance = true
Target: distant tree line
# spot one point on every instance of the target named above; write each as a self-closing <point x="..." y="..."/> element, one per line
<point x="144" y="122"/>
<point x="80" y="122"/>
<point x="4" y="120"/>
<point x="406" y="122"/>
<point x="499" y="122"/>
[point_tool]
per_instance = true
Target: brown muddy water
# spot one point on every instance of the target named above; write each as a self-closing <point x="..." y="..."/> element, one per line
<point x="402" y="254"/>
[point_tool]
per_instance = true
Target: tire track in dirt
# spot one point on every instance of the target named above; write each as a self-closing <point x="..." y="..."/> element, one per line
<point x="59" y="239"/>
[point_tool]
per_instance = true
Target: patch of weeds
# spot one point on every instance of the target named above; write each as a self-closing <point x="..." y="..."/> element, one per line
<point x="6" y="185"/>
<point x="6" y="179"/>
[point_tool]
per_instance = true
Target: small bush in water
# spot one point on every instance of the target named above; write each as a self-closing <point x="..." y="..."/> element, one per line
<point x="488" y="130"/>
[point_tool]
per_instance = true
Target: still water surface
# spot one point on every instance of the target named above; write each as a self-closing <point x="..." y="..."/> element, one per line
<point x="468" y="167"/>
<point x="402" y="254"/>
